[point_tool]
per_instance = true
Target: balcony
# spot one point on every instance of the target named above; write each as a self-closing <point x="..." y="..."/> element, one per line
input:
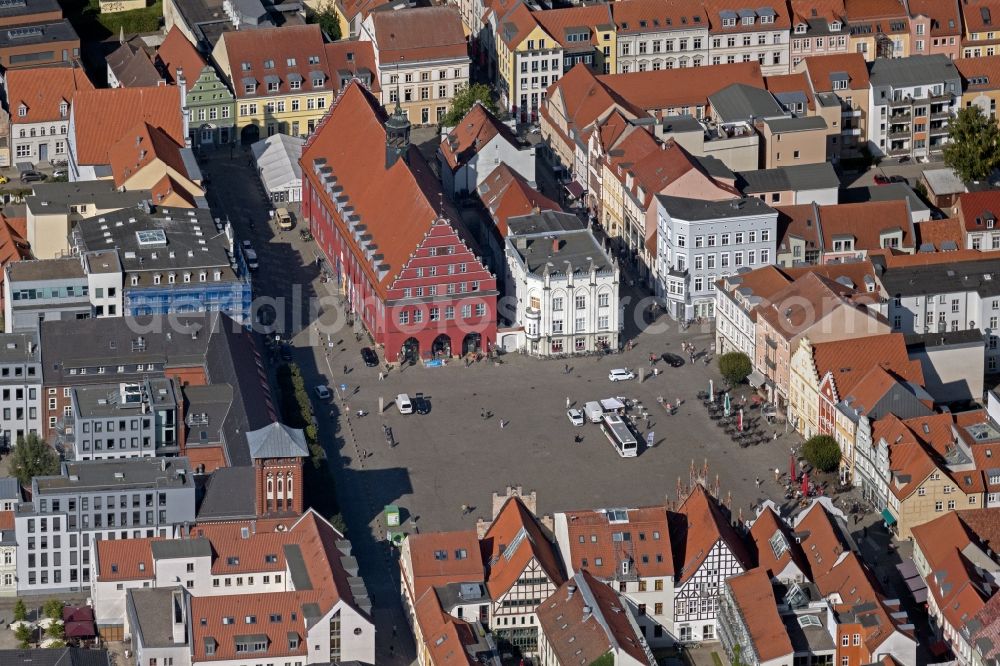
<point x="939" y="130"/>
<point x="900" y="117"/>
<point x="771" y="342"/>
<point x="940" y="115"/>
<point x="899" y="152"/>
<point x="770" y="364"/>
<point x="946" y="97"/>
<point x="847" y="111"/>
<point x="899" y="134"/>
<point x="904" y="101"/>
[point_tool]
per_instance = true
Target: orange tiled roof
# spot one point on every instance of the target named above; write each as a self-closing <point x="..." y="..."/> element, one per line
<point x="791" y="83"/>
<point x="138" y="147"/>
<point x="506" y="194"/>
<point x="291" y="43"/>
<point x="798" y="221"/>
<point x="349" y="57"/>
<point x="639" y="16"/>
<point x="439" y="558"/>
<point x="944" y="15"/>
<point x="764" y="527"/>
<point x="515" y="26"/>
<point x="399" y="203"/>
<point x="352" y="8"/>
<point x="103" y="116"/>
<point x="850" y="360"/>
<point x="865" y="221"/>
<point x="804" y="11"/>
<point x="177" y="52"/>
<point x="42" y="90"/>
<point x="557" y="21"/>
<point x="476" y="129"/>
<point x="753" y="594"/>
<point x="677" y="88"/>
<point x="168" y="192"/>
<point x="512" y="541"/>
<point x="937" y="232"/>
<point x="976" y="210"/>
<point x="805" y="302"/>
<point x="125" y="559"/>
<point x="420" y="34"/>
<point x="820" y="68"/>
<point x="853" y="271"/>
<point x="862" y="10"/>
<point x="696" y="527"/>
<point x="275" y="615"/>
<point x="976" y="19"/>
<point x="716" y="7"/>
<point x="974" y="69"/>
<point x="763" y="282"/>
<point x="592" y="539"/>
<point x="443" y="634"/>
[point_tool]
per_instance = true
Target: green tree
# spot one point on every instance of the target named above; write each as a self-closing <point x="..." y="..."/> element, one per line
<point x="56" y="630"/>
<point x="822" y="452"/>
<point x="973" y="148"/>
<point x="33" y="457"/>
<point x="20" y="611"/>
<point x="735" y="367"/>
<point x="465" y="98"/>
<point x="53" y="609"/>
<point x="24" y="634"/>
<point x="328" y="21"/>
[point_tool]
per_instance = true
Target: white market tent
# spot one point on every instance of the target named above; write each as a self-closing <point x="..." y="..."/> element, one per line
<point x="277" y="159"/>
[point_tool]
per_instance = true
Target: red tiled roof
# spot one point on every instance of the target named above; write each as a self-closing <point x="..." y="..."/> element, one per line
<point x="754" y="596"/>
<point x="861" y="10"/>
<point x="804" y="11"/>
<point x="512" y="541"/>
<point x="420" y="34"/>
<point x="103" y="116"/>
<point x="352" y="8"/>
<point x="805" y="302"/>
<point x="763" y="282"/>
<point x="42" y="90"/>
<point x="13" y="246"/>
<point x="764" y="528"/>
<point x="225" y="619"/>
<point x="576" y="636"/>
<point x="167" y="191"/>
<point x="441" y="632"/>
<point x="937" y="232"/>
<point x="476" y="129"/>
<point x="854" y="271"/>
<point x="790" y="83"/>
<point x="976" y="209"/>
<point x="506" y="194"/>
<point x="677" y="88"/>
<point x="177" y="52"/>
<point x="820" y="68"/>
<point x="439" y="558"/>
<point x="254" y="48"/>
<point x="798" y="221"/>
<point x="696" y="528"/>
<point x="640" y="16"/>
<point x="983" y="66"/>
<point x="125" y="559"/>
<point x="515" y="26"/>
<point x="352" y="56"/>
<point x="716" y="7"/>
<point x="977" y="20"/>
<point x="592" y="538"/>
<point x="398" y="204"/>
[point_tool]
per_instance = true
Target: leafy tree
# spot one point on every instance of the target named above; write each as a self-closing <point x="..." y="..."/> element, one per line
<point x="973" y="149"/>
<point x="328" y="21"/>
<point x="465" y="98"/>
<point x="20" y="611"/>
<point x="24" y="634"/>
<point x="735" y="367"/>
<point x="56" y="630"/>
<point x="33" y="457"/>
<point x="822" y="452"/>
<point x="57" y="644"/>
<point x="53" y="609"/>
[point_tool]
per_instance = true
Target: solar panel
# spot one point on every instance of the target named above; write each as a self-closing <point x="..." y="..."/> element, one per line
<point x="149" y="237"/>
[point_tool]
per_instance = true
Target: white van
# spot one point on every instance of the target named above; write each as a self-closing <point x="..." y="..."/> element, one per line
<point x="593" y="411"/>
<point x="403" y="404"/>
<point x="284" y="219"/>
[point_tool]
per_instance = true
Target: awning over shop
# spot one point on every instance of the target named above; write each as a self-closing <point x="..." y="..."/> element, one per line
<point x="915" y="583"/>
<point x="907" y="569"/>
<point x="756" y="379"/>
<point x="920" y="596"/>
<point x="575" y="189"/>
<point x="889" y="519"/>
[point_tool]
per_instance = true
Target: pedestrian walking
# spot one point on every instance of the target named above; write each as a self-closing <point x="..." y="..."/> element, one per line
<point x="482" y="414"/>
<point x="465" y="509"/>
<point x="567" y="402"/>
<point x="503" y="424"/>
<point x="759" y="482"/>
<point x="381" y="376"/>
<point x="566" y="369"/>
<point x="345" y="368"/>
<point x="777" y="474"/>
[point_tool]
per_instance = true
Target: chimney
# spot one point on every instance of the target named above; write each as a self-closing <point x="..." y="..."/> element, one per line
<point x="555" y="245"/>
<point x="570" y="589"/>
<point x="179" y="621"/>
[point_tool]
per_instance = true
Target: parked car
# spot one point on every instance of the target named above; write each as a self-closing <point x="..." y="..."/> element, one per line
<point x="403" y="404"/>
<point x="322" y="392"/>
<point x="4" y="180"/>
<point x="421" y="404"/>
<point x="32" y="177"/>
<point x="898" y="179"/>
<point x="621" y="375"/>
<point x="369" y="356"/>
<point x="59" y="173"/>
<point x="673" y="360"/>
<point x="251" y="257"/>
<point x="594" y="411"/>
<point x="881" y="179"/>
<point x="575" y="416"/>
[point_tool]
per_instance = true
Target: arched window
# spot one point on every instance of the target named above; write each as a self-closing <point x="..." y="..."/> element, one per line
<point x="289" y="485"/>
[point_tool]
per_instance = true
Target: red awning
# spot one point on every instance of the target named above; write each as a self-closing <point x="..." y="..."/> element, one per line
<point x="575" y="189"/>
<point x="80" y="630"/>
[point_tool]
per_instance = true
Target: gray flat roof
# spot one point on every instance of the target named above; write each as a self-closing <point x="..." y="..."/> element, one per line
<point x="38" y="33"/>
<point x="944" y="181"/>
<point x="26" y="8"/>
<point x="297" y="568"/>
<point x="19" y="348"/>
<point x="205" y="409"/>
<point x="153" y="614"/>
<point x="982" y="276"/>
<point x="91" y="475"/>
<point x="694" y="210"/>
<point x="66" y="268"/>
<point x="226" y="495"/>
<point x="889" y="192"/>
<point x="544" y="222"/>
<point x="51" y="198"/>
<point x="913" y="71"/>
<point x="684" y="123"/>
<point x="970" y="337"/>
<point x="10" y="488"/>
<point x="177" y="548"/>
<point x="797" y="124"/>
<point x="798" y="177"/>
<point x="739" y="102"/>
<point x="577" y="247"/>
<point x="104" y="400"/>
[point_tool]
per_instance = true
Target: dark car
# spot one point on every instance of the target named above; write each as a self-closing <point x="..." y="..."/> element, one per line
<point x="898" y="179"/>
<point x="881" y="180"/>
<point x="286" y="353"/>
<point x="369" y="356"/>
<point x="673" y="360"/>
<point x="421" y="405"/>
<point x="32" y="177"/>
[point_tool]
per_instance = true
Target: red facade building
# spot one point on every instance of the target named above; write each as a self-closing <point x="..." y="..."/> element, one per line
<point x="399" y="251"/>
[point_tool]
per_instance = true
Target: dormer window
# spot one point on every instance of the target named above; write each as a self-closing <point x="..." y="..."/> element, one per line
<point x="156" y="278"/>
<point x="171" y="278"/>
<point x="268" y="64"/>
<point x="63" y="109"/>
<point x="800" y="29"/>
<point x="835" y="26"/>
<point x="249" y="88"/>
<point x="246" y="67"/>
<point x="22" y="110"/>
<point x="748" y="20"/>
<point x="728" y="22"/>
<point x="317" y="82"/>
<point x="767" y="19"/>
<point x="313" y="60"/>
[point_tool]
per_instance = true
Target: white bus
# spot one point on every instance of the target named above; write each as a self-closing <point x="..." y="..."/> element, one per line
<point x="619" y="435"/>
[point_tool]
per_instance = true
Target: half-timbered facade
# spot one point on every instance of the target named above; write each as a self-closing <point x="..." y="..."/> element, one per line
<point x="709" y="551"/>
<point x="399" y="253"/>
